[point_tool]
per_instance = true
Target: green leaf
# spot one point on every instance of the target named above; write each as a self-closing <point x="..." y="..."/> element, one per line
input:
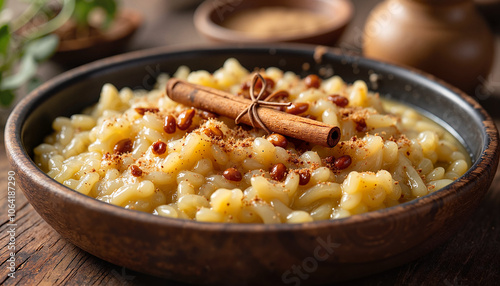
<point x="42" y="48"/>
<point x="110" y="8"/>
<point x="6" y="97"/>
<point x="82" y="11"/>
<point x="83" y="8"/>
<point x="1" y="4"/>
<point x="26" y="71"/>
<point x="4" y="39"/>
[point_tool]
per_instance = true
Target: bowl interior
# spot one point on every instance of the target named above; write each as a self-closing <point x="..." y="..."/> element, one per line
<point x="211" y="15"/>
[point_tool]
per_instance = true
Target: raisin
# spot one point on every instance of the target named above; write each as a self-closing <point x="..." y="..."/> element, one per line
<point x="143" y="110"/>
<point x="278" y="140"/>
<point x="232" y="174"/>
<point x="312" y="81"/>
<point x="123" y="146"/>
<point x="213" y="132"/>
<point x="339" y="100"/>
<point x="278" y="172"/>
<point x="170" y="124"/>
<point x="185" y="119"/>
<point x="297" y="108"/>
<point x="342" y="162"/>
<point x="304" y="177"/>
<point x="159" y="148"/>
<point x="361" y="126"/>
<point x="136" y="171"/>
<point x="207" y="115"/>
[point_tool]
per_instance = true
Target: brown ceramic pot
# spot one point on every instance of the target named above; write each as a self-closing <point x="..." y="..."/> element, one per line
<point x="447" y="38"/>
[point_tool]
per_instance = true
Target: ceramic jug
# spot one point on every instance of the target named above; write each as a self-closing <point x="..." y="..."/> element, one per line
<point x="447" y="38"/>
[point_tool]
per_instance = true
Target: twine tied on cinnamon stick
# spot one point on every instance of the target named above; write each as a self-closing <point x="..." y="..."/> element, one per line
<point x="256" y="101"/>
<point x="248" y="111"/>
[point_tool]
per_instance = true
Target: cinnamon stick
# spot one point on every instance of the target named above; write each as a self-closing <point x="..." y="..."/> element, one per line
<point x="226" y="104"/>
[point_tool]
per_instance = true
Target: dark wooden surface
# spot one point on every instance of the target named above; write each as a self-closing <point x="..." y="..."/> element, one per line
<point x="471" y="257"/>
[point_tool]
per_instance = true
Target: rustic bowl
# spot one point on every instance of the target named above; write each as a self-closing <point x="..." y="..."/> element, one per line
<point x="210" y="15"/>
<point x="73" y="52"/>
<point x="252" y="254"/>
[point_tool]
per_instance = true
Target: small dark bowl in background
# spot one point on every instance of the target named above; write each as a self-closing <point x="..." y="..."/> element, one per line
<point x="210" y="15"/>
<point x="252" y="254"/>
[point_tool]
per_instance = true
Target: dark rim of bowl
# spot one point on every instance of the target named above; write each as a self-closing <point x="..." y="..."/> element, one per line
<point x="203" y="22"/>
<point x="18" y="155"/>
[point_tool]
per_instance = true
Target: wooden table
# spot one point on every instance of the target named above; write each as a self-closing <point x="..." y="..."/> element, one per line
<point x="471" y="257"/>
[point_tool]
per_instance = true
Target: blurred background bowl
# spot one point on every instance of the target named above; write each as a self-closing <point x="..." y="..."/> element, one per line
<point x="74" y="52"/>
<point x="182" y="4"/>
<point x="210" y="18"/>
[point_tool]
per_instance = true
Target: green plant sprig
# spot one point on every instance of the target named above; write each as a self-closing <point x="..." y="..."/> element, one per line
<point x="83" y="9"/>
<point x="21" y="54"/>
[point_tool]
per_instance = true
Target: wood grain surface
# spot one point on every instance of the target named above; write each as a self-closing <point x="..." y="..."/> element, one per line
<point x="471" y="257"/>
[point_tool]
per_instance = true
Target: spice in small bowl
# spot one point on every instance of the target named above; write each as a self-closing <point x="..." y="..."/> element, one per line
<point x="260" y="21"/>
<point x="275" y="21"/>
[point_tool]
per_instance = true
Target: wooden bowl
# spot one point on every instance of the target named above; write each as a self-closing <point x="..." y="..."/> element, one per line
<point x="77" y="51"/>
<point x="210" y="16"/>
<point x="252" y="254"/>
